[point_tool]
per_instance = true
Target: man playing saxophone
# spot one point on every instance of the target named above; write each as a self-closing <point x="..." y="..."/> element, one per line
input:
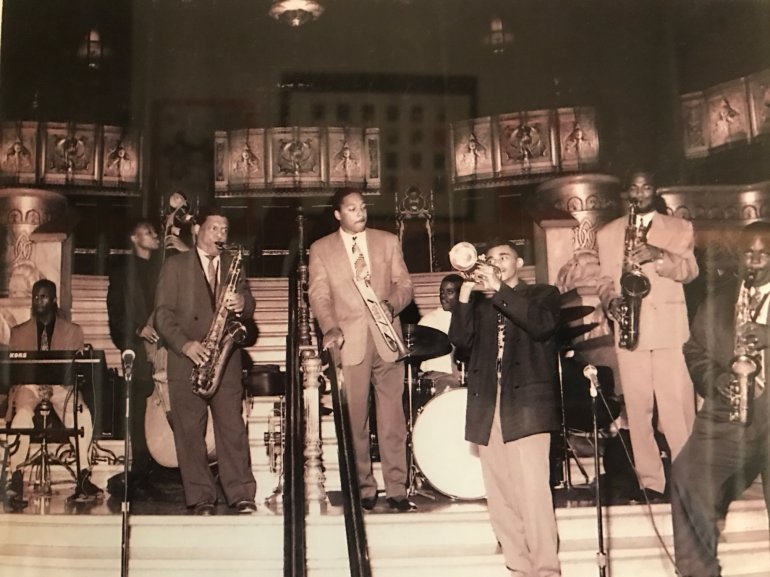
<point x="653" y="374"/>
<point x="348" y="268"/>
<point x="190" y="290"/>
<point x="725" y="453"/>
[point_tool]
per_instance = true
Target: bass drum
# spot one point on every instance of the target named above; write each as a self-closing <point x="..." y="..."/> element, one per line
<point x="449" y="462"/>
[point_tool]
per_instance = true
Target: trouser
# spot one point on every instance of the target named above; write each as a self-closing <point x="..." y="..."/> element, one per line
<point x="656" y="378"/>
<point x="25" y="398"/>
<point x="719" y="460"/>
<point x="516" y="478"/>
<point x="388" y="381"/>
<point x="189" y="415"/>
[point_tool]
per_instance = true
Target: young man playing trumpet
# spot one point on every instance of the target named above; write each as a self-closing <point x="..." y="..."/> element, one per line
<point x="355" y="254"/>
<point x="725" y="452"/>
<point x="512" y="402"/>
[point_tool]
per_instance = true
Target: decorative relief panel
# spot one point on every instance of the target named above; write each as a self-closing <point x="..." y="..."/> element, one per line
<point x="759" y="101"/>
<point x="120" y="160"/>
<point x="18" y="149"/>
<point x="248" y="161"/>
<point x="69" y="154"/>
<point x="523" y="143"/>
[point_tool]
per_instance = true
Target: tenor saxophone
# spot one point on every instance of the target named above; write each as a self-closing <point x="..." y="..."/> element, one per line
<point x="745" y="365"/>
<point x="223" y="335"/>
<point x="634" y="284"/>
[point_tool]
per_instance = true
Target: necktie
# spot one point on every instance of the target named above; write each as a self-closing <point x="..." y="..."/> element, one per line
<point x="360" y="266"/>
<point x="45" y="391"/>
<point x="211" y="274"/>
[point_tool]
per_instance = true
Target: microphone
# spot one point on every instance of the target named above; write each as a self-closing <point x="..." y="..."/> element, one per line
<point x="590" y="373"/>
<point x="128" y="357"/>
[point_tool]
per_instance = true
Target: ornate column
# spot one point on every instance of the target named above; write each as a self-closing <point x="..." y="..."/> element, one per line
<point x="586" y="201"/>
<point x="27" y="254"/>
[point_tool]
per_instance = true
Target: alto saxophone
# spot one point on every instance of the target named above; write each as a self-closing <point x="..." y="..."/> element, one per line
<point x="223" y="335"/>
<point x="746" y="363"/>
<point x="634" y="284"/>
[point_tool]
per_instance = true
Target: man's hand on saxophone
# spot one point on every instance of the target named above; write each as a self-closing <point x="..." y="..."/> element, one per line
<point x="333" y="338"/>
<point x="643" y="253"/>
<point x="753" y="335"/>
<point x="196" y="352"/>
<point x="234" y="302"/>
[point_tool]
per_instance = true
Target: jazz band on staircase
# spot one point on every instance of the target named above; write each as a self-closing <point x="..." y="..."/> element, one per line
<point x="506" y="392"/>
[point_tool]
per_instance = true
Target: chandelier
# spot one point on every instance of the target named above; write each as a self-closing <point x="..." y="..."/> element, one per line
<point x="296" y="12"/>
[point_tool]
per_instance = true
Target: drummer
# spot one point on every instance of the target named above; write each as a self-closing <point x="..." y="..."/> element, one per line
<point x="443" y="372"/>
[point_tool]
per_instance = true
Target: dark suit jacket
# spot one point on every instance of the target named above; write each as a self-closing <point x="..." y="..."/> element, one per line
<point x="129" y="311"/>
<point x="711" y="347"/>
<point x="528" y="403"/>
<point x="335" y="300"/>
<point x="183" y="310"/>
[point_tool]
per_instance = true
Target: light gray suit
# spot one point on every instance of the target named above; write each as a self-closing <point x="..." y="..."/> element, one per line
<point x="337" y="303"/>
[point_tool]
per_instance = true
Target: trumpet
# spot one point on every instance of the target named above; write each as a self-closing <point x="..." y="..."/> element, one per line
<point x="464" y="258"/>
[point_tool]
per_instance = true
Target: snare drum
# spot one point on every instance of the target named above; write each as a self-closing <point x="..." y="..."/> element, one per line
<point x="449" y="462"/>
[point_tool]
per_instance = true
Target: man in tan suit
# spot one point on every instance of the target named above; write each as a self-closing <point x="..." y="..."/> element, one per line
<point x="375" y="257"/>
<point x="654" y="372"/>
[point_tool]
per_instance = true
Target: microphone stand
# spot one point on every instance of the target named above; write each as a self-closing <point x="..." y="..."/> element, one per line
<point x="591" y="373"/>
<point x="127" y="357"/>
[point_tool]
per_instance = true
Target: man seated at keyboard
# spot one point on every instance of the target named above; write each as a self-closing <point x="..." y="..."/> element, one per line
<point x="47" y="330"/>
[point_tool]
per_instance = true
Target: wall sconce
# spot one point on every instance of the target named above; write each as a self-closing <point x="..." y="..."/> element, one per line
<point x="92" y="51"/>
<point x="498" y="36"/>
<point x="296" y="12"/>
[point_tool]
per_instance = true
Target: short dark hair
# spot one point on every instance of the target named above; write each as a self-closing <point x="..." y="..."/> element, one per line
<point x="44" y="282"/>
<point x="497" y="241"/>
<point x="207" y="211"/>
<point x="341" y="194"/>
<point x="650" y="175"/>
<point x="453" y="278"/>
<point x="759" y="228"/>
<point x="138" y="223"/>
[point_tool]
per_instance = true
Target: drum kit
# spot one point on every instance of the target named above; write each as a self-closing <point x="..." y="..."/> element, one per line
<point x="437" y="450"/>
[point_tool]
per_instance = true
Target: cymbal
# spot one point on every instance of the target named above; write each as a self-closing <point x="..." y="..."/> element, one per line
<point x="569" y="314"/>
<point x="425" y="342"/>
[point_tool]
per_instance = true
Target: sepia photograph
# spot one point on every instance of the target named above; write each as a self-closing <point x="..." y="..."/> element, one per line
<point x="384" y="288"/>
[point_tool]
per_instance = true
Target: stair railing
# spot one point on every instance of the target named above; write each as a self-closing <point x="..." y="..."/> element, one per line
<point x="355" y="529"/>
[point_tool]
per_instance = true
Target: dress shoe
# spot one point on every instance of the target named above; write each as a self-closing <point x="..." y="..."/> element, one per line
<point x="368" y="503"/>
<point x="246" y="507"/>
<point x="401" y="504"/>
<point x="654" y="497"/>
<point x="204" y="508"/>
<point x="14" y="493"/>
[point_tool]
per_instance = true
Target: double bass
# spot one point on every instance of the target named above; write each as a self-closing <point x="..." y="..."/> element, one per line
<point x="157" y="418"/>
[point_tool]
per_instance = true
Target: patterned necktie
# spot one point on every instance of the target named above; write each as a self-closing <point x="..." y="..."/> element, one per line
<point x="44" y="344"/>
<point x="360" y="266"/>
<point x="211" y="274"/>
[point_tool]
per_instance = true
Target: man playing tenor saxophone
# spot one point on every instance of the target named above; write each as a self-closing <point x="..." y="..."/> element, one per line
<point x="725" y="452"/>
<point x="348" y="268"/>
<point x="654" y="252"/>
<point x="190" y="290"/>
